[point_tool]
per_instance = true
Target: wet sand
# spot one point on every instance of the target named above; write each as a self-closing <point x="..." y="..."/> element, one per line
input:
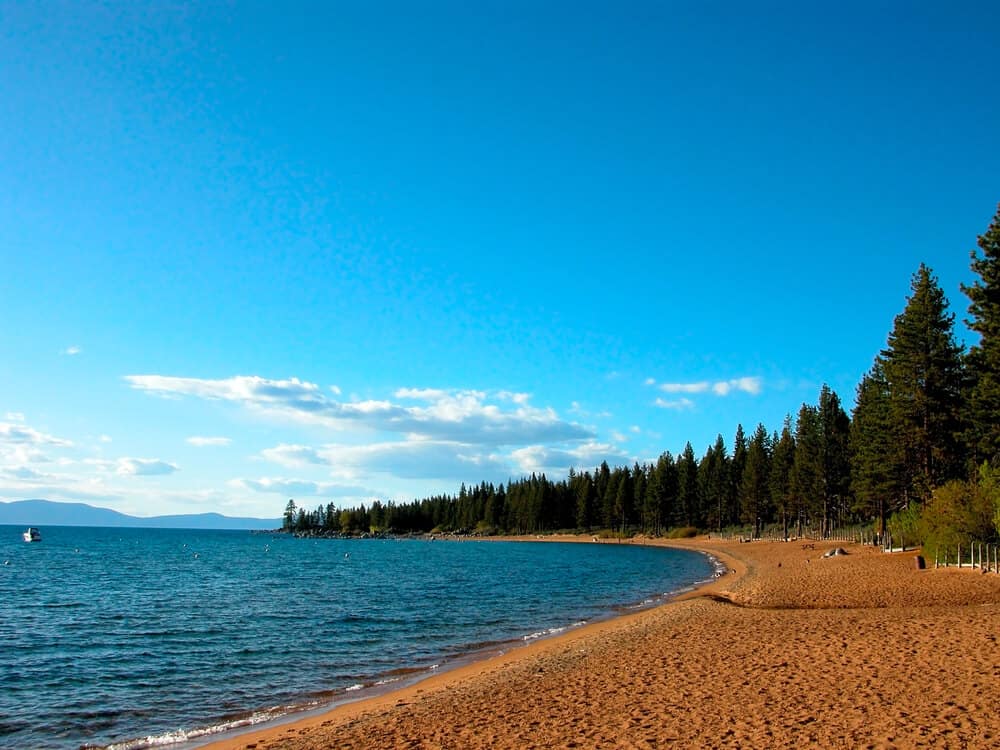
<point x="787" y="650"/>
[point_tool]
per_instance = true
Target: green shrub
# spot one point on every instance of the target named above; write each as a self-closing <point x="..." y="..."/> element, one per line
<point x="961" y="513"/>
<point x="682" y="532"/>
<point x="905" y="527"/>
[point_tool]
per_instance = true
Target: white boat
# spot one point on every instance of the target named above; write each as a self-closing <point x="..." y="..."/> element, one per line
<point x="32" y="535"/>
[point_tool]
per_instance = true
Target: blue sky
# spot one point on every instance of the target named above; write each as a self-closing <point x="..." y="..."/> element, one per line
<point x="338" y="251"/>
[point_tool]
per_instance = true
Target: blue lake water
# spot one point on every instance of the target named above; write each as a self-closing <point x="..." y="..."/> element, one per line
<point x="135" y="637"/>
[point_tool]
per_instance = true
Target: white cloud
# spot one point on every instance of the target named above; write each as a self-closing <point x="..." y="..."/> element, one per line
<point x="578" y="410"/>
<point x="300" y="487"/>
<point x="24" y="473"/>
<point x="517" y="398"/>
<point x="540" y="458"/>
<point x="747" y="385"/>
<point x="130" y="467"/>
<point x="680" y="403"/>
<point x="411" y="459"/>
<point x="200" y="441"/>
<point x="719" y="387"/>
<point x="15" y="416"/>
<point x="699" y="387"/>
<point x="650" y="381"/>
<point x="618" y="437"/>
<point x="292" y="456"/>
<point x="465" y="416"/>
<point x="105" y="438"/>
<point x="16" y="433"/>
<point x="71" y="351"/>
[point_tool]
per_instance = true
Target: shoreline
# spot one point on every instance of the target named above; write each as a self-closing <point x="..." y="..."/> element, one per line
<point x="729" y="569"/>
<point x="793" y="650"/>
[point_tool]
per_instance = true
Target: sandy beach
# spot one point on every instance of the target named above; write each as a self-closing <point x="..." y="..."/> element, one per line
<point x="786" y="650"/>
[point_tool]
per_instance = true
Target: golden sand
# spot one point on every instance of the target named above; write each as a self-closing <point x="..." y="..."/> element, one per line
<point x="789" y="650"/>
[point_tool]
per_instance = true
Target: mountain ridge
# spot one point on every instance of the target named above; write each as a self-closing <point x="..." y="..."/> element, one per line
<point x="38" y="512"/>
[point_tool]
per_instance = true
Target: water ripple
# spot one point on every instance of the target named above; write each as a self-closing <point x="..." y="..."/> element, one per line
<point x="134" y="642"/>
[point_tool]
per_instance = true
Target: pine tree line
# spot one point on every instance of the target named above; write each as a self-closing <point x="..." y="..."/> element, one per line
<point x="926" y="414"/>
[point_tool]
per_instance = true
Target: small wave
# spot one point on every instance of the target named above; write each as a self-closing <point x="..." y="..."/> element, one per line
<point x="353" y="688"/>
<point x="719" y="567"/>
<point x="182" y="735"/>
<point x="551" y="631"/>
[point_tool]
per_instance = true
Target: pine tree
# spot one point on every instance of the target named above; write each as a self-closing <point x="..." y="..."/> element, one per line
<point x="688" y="503"/>
<point x="782" y="462"/>
<point x="584" y="490"/>
<point x="876" y="456"/>
<point x="736" y="466"/>
<point x="289" y="519"/>
<point x="755" y="491"/>
<point x="604" y="495"/>
<point x="923" y="366"/>
<point x="640" y="479"/>
<point x="807" y="470"/>
<point x="713" y="483"/>
<point x="661" y="494"/>
<point x="836" y="476"/>
<point x="984" y="357"/>
<point x="623" y="499"/>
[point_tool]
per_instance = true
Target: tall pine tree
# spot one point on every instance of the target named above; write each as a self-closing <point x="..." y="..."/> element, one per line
<point x="755" y="491"/>
<point x="836" y="476"/>
<point x="713" y="483"/>
<point x="807" y="469"/>
<point x="688" y="501"/>
<point x="877" y="463"/>
<point x="923" y="367"/>
<point x="782" y="462"/>
<point x="984" y="357"/>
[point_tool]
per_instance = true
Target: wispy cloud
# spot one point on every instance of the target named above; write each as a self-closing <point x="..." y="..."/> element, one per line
<point x="72" y="351"/>
<point x="578" y="410"/>
<point x="25" y="474"/>
<point x="677" y="403"/>
<point x="464" y="416"/>
<point x="19" y="433"/>
<point x="744" y="385"/>
<point x="539" y="458"/>
<point x="200" y="441"/>
<point x="144" y="467"/>
<point x="751" y="385"/>
<point x="409" y="459"/>
<point x="700" y="387"/>
<point x="301" y="487"/>
<point x="133" y="467"/>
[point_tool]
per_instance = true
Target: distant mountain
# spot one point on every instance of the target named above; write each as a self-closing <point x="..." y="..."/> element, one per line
<point x="48" y="513"/>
